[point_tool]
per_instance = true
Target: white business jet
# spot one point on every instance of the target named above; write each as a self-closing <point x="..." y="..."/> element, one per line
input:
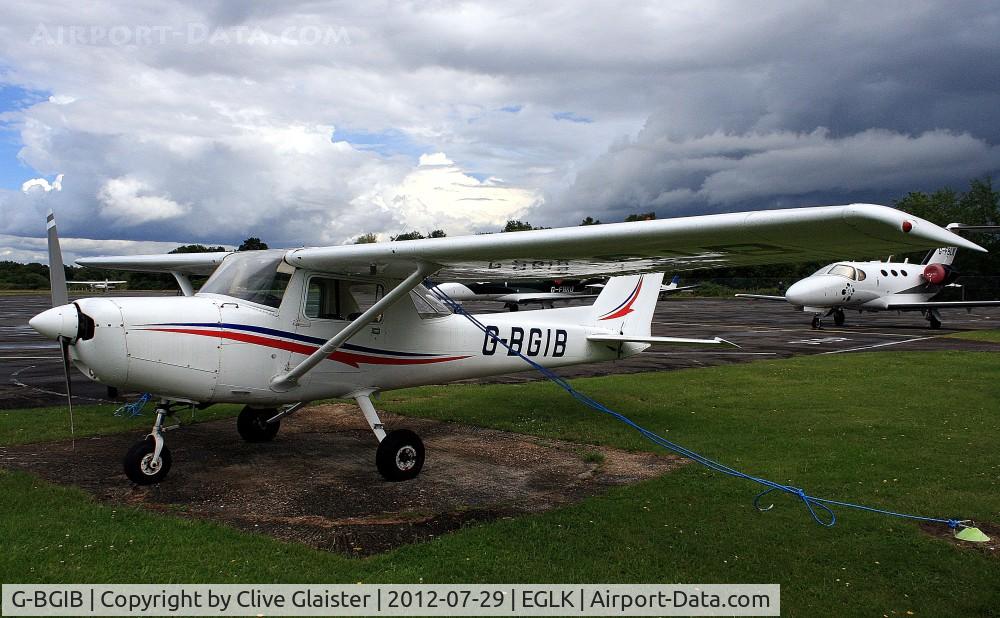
<point x="276" y="329"/>
<point x="881" y="286"/>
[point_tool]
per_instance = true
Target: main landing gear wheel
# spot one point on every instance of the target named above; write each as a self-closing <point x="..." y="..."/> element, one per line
<point x="253" y="426"/>
<point x="838" y="317"/>
<point x="139" y="465"/>
<point x="400" y="455"/>
<point x="935" y="323"/>
<point x="816" y="324"/>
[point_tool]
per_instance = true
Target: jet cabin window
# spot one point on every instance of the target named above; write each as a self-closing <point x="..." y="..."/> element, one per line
<point x="255" y="276"/>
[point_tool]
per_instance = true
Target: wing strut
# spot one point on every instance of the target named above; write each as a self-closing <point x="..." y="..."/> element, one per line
<point x="286" y="381"/>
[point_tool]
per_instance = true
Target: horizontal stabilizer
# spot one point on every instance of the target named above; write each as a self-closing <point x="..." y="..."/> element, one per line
<point x="761" y="297"/>
<point x="610" y="338"/>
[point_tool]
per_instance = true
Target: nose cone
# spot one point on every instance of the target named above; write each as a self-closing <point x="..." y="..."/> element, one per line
<point x="811" y="291"/>
<point x="57" y="322"/>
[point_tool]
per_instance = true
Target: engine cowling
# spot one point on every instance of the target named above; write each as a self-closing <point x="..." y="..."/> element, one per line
<point x="939" y="274"/>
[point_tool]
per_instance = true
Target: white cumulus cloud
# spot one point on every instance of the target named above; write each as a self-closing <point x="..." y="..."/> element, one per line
<point x="127" y="200"/>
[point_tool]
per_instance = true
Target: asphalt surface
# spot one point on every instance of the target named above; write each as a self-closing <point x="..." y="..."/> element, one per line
<point x="31" y="372"/>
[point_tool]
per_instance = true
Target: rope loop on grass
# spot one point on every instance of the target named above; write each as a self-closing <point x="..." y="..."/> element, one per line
<point x="812" y="503"/>
<point x="134" y="408"/>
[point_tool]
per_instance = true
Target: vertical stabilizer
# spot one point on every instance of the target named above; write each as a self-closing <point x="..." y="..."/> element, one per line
<point x="57" y="272"/>
<point x="626" y="304"/>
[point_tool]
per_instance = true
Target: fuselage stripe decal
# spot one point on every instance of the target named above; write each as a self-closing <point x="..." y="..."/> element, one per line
<point x="346" y="357"/>
<point x="288" y="335"/>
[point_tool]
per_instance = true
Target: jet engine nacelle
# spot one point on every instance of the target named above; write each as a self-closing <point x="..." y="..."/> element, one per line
<point x="939" y="274"/>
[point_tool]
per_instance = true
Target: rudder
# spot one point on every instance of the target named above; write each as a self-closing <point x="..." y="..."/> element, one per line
<point x="626" y="304"/>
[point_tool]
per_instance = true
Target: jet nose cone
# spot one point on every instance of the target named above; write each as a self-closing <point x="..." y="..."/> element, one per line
<point x="806" y="292"/>
<point x="56" y="322"/>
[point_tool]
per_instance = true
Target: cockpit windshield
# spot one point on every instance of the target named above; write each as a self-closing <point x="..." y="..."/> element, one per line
<point x="256" y="276"/>
<point x="844" y="271"/>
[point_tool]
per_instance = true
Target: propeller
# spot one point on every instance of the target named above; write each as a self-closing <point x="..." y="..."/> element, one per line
<point x="64" y="345"/>
<point x="60" y="297"/>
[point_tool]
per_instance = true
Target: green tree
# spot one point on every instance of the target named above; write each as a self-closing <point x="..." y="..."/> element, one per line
<point x="366" y="239"/>
<point x="641" y="216"/>
<point x="437" y="234"/>
<point x="515" y="225"/>
<point x="199" y="249"/>
<point x="590" y="221"/>
<point x="414" y="235"/>
<point x="252" y="244"/>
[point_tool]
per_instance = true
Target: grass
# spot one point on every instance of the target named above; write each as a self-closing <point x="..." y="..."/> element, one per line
<point x="911" y="431"/>
<point x="990" y="336"/>
<point x="44" y="424"/>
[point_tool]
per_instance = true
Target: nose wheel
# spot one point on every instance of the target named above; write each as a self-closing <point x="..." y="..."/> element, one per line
<point x="838" y="317"/>
<point x="817" y="323"/>
<point x="148" y="461"/>
<point x="141" y="464"/>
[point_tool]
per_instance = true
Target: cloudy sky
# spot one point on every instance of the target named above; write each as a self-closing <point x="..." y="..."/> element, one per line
<point x="151" y="124"/>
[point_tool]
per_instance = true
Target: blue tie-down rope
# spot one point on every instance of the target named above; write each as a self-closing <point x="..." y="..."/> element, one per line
<point x="818" y="507"/>
<point x="134" y="409"/>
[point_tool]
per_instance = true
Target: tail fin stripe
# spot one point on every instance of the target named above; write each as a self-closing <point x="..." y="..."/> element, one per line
<point x="626" y="307"/>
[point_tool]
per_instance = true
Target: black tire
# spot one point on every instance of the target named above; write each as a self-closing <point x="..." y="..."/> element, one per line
<point x="138" y="460"/>
<point x="838" y="318"/>
<point x="935" y="323"/>
<point x="253" y="426"/>
<point x="400" y="456"/>
<point x="816" y="322"/>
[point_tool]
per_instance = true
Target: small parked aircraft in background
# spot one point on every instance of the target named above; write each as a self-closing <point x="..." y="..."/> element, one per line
<point x="105" y="285"/>
<point x="881" y="286"/>
<point x="511" y="298"/>
<point x="276" y="329"/>
<point x="665" y="290"/>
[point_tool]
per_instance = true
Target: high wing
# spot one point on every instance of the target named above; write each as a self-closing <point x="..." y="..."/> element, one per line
<point x="182" y="263"/>
<point x="944" y="304"/>
<point x="668" y="290"/>
<point x="689" y="243"/>
<point x="735" y="239"/>
<point x="540" y="297"/>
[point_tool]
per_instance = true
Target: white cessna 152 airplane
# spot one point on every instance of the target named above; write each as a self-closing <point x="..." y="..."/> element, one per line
<point x="276" y="329"/>
<point x="105" y="285"/>
<point x="881" y="286"/>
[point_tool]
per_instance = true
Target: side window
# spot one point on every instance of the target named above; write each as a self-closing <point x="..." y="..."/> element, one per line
<point x="861" y="275"/>
<point x="328" y="299"/>
<point x="340" y="299"/>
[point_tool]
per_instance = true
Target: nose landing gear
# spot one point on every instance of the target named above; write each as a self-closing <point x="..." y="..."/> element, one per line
<point x="149" y="460"/>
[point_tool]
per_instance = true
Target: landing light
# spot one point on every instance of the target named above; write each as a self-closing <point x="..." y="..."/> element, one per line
<point x="907" y="226"/>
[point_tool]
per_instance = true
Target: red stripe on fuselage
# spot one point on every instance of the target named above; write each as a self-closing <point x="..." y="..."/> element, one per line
<point x="348" y="358"/>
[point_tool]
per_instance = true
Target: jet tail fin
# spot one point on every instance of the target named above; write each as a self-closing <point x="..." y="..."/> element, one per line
<point x="626" y="304"/>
